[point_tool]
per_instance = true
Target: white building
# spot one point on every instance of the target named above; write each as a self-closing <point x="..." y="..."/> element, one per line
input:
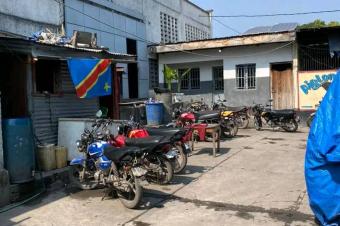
<point x="247" y="69"/>
<point x="129" y="26"/>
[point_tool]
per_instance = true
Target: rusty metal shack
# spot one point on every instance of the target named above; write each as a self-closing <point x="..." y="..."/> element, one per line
<point x="35" y="82"/>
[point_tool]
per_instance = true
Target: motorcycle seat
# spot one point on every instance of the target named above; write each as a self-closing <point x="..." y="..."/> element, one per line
<point x="145" y="142"/>
<point x="117" y="154"/>
<point x="207" y="115"/>
<point x="234" y="109"/>
<point x="283" y="111"/>
<point x="163" y="131"/>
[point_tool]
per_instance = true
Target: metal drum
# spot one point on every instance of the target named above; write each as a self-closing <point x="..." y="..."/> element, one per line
<point x="18" y="149"/>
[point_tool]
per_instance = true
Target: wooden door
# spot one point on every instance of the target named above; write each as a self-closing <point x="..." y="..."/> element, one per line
<point x="282" y="89"/>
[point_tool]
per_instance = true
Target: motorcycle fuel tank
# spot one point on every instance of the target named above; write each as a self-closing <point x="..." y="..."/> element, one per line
<point x="96" y="149"/>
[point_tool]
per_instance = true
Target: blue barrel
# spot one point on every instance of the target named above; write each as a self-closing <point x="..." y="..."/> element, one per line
<point x="18" y="149"/>
<point x="154" y="113"/>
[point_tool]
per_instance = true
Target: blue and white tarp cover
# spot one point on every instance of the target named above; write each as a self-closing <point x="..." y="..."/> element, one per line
<point x="322" y="163"/>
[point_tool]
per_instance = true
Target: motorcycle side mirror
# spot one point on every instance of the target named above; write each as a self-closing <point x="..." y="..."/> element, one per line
<point x="99" y="114"/>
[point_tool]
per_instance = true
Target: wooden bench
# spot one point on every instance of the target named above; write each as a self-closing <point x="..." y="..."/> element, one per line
<point x="215" y="131"/>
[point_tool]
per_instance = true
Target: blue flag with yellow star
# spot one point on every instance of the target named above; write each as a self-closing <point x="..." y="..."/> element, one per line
<point x="91" y="77"/>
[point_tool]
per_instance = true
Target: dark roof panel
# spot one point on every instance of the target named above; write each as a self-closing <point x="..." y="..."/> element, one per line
<point x="272" y="29"/>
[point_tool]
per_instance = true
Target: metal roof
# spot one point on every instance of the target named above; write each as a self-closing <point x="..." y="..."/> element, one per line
<point x="37" y="49"/>
<point x="272" y="29"/>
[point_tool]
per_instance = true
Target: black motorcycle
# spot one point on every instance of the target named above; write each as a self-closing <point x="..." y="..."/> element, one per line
<point x="286" y="119"/>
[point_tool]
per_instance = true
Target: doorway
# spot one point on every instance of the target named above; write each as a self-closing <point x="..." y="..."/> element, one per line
<point x="13" y="83"/>
<point x="282" y="90"/>
<point x="131" y="48"/>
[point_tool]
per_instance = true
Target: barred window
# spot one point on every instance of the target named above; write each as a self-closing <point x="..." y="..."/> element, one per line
<point x="153" y="70"/>
<point x="169" y="28"/>
<point x="191" y="80"/>
<point x="195" y="78"/>
<point x="246" y="76"/>
<point x="185" y="79"/>
<point x="218" y="78"/>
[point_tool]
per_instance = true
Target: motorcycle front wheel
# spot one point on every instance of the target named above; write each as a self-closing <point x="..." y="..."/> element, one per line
<point x="133" y="193"/>
<point x="181" y="160"/>
<point x="257" y="125"/>
<point x="80" y="178"/>
<point x="290" y="126"/>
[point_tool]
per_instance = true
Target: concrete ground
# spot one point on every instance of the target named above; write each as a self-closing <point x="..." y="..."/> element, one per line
<point x="257" y="179"/>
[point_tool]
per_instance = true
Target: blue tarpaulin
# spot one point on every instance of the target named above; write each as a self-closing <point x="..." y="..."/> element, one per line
<point x="322" y="163"/>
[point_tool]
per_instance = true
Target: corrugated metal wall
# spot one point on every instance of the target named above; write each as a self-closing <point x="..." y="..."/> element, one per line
<point x="47" y="109"/>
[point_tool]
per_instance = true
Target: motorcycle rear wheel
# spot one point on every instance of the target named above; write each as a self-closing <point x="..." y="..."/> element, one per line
<point x="132" y="199"/>
<point x="230" y="130"/>
<point x="85" y="184"/>
<point x="291" y="126"/>
<point x="168" y="170"/>
<point x="242" y="122"/>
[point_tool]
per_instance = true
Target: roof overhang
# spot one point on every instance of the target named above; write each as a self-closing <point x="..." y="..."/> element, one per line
<point x="42" y="50"/>
<point x="226" y="42"/>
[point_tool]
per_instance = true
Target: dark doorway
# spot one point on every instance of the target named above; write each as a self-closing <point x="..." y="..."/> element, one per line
<point x="131" y="48"/>
<point x="13" y="85"/>
<point x="108" y="101"/>
<point x="133" y="80"/>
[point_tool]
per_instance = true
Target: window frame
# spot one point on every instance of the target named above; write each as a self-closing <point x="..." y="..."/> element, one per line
<point x="245" y="76"/>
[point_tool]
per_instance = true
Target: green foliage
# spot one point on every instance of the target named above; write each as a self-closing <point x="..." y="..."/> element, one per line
<point x="171" y="74"/>
<point x="319" y="24"/>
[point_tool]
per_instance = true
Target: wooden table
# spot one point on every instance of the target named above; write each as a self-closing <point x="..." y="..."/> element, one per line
<point x="215" y="131"/>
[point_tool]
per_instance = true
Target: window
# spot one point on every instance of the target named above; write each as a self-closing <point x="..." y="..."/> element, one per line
<point x="47" y="76"/>
<point x="153" y="70"/>
<point x="169" y="28"/>
<point x="195" y="80"/>
<point x="185" y="79"/>
<point x="246" y="76"/>
<point x="194" y="33"/>
<point x="218" y="78"/>
<point x="191" y="80"/>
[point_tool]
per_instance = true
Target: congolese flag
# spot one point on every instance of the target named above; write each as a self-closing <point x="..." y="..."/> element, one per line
<point x="91" y="77"/>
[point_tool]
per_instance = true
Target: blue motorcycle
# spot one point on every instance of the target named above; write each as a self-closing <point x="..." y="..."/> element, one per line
<point x="104" y="165"/>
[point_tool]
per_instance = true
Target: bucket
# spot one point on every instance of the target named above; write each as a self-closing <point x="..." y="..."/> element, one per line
<point x="61" y="157"/>
<point x="154" y="113"/>
<point x="46" y="157"/>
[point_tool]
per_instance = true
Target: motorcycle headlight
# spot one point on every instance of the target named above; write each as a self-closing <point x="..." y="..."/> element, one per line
<point x="79" y="145"/>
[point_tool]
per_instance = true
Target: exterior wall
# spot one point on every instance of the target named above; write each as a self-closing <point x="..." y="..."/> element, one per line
<point x="46" y="110"/>
<point x="116" y="24"/>
<point x="261" y="55"/>
<point x="28" y="16"/>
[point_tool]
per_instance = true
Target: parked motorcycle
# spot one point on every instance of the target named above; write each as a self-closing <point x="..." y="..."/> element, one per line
<point x="286" y="119"/>
<point x="118" y="169"/>
<point x="177" y="141"/>
<point x="241" y="114"/>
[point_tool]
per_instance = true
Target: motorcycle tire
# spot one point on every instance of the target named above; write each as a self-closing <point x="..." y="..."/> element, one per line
<point x="179" y="166"/>
<point x="127" y="201"/>
<point x="243" y="122"/>
<point x="74" y="179"/>
<point x="309" y="121"/>
<point x="169" y="171"/>
<point x="230" y="130"/>
<point x="294" y="127"/>
<point x="256" y="125"/>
